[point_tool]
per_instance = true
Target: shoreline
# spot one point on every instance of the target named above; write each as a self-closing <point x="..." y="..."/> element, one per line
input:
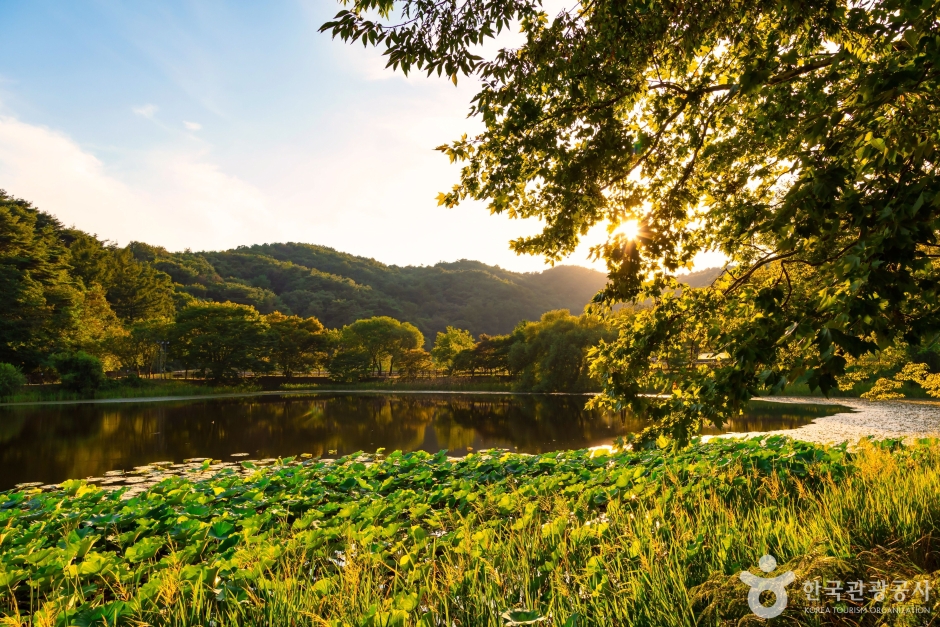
<point x="197" y="397"/>
<point x="835" y="400"/>
<point x="907" y="419"/>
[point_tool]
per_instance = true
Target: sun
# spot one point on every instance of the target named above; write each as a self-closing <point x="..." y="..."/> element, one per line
<point x="629" y="229"/>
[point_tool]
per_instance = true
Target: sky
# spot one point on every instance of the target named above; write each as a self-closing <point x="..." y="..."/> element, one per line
<point x="208" y="125"/>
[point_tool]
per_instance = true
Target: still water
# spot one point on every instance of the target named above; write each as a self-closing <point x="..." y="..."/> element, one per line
<point x="51" y="443"/>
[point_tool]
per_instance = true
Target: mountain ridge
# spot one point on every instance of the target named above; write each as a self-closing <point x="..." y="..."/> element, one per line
<point x="339" y="288"/>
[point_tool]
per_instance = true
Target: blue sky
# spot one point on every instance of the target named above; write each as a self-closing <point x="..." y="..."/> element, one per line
<point x="208" y="125"/>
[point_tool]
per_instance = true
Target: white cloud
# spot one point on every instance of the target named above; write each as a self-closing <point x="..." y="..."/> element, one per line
<point x="192" y="126"/>
<point x="147" y="111"/>
<point x="50" y="170"/>
<point x="350" y="200"/>
<point x="176" y="199"/>
<point x="199" y="206"/>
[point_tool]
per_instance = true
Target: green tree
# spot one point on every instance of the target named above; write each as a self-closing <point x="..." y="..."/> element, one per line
<point x="551" y="355"/>
<point x="38" y="298"/>
<point x="11" y="380"/>
<point x="79" y="372"/>
<point x="295" y="343"/>
<point x="406" y="339"/>
<point x="414" y="362"/>
<point x="464" y="362"/>
<point x="492" y="353"/>
<point x="90" y="258"/>
<point x="220" y="339"/>
<point x="138" y="348"/>
<point x="798" y="139"/>
<point x="97" y="327"/>
<point x="488" y="356"/>
<point x="449" y="344"/>
<point x="383" y="338"/>
<point x="349" y="365"/>
<point x="346" y="361"/>
<point x="136" y="290"/>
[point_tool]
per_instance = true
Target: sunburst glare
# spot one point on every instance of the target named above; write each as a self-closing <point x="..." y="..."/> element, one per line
<point x="630" y="229"/>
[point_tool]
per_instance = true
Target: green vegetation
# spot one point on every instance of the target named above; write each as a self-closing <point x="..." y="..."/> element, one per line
<point x="634" y="538"/>
<point x="338" y="289"/>
<point x="222" y="342"/>
<point x="220" y="339"/>
<point x="65" y="287"/>
<point x="800" y="140"/>
<point x="76" y="307"/>
<point x="382" y="339"/>
<point x="349" y="364"/>
<point x="140" y="310"/>
<point x="440" y="384"/>
<point x="450" y="343"/>
<point x="11" y="380"/>
<point x="80" y="372"/>
<point x="296" y="344"/>
<point x="40" y="300"/>
<point x="133" y="387"/>
<point x="552" y="354"/>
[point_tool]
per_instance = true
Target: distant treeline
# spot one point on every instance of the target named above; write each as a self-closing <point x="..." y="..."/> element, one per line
<point x="224" y="341"/>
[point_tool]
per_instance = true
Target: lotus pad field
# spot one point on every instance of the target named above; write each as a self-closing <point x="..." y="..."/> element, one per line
<point x="652" y="537"/>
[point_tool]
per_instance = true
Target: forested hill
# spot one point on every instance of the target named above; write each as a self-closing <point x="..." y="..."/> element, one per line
<point x="61" y="286"/>
<point x="50" y="276"/>
<point x="338" y="288"/>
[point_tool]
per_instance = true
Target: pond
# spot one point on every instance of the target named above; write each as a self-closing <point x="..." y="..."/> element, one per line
<point x="53" y="442"/>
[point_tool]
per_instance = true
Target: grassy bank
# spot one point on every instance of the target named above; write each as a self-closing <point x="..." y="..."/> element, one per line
<point x="647" y="538"/>
<point x="444" y="384"/>
<point x="151" y="388"/>
<point x="910" y="390"/>
<point x="142" y="388"/>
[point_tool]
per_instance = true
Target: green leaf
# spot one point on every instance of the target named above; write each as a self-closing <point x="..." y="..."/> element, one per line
<point x="522" y="617"/>
<point x="143" y="550"/>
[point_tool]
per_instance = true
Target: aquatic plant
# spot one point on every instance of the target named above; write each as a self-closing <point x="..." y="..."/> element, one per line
<point x="650" y="537"/>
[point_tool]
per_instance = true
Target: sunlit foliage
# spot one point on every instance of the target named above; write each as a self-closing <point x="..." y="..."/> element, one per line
<point x="799" y="139"/>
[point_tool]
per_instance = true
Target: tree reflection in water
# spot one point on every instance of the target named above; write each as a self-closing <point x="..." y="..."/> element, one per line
<point x="50" y="443"/>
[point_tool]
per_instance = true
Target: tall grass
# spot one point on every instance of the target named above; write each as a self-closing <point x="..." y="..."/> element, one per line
<point x="669" y="561"/>
<point x="667" y="552"/>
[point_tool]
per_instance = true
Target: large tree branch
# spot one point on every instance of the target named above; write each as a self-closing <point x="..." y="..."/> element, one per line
<point x="783" y="77"/>
<point x="689" y="92"/>
<point x="763" y="262"/>
<point x="789" y="75"/>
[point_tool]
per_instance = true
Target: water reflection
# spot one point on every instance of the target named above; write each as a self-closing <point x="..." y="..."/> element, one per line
<point x="50" y="443"/>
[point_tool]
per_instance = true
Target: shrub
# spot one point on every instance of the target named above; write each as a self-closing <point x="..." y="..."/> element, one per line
<point x="79" y="372"/>
<point x="350" y="366"/>
<point x="11" y="380"/>
<point x="133" y="380"/>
